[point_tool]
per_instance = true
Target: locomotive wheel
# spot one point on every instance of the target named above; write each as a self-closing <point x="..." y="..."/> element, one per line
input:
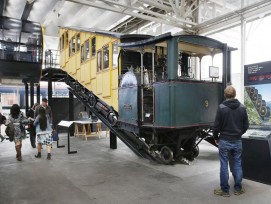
<point x="193" y="154"/>
<point x="166" y="155"/>
<point x="254" y="97"/>
<point x="263" y="111"/>
<point x="252" y="91"/>
<point x="92" y="100"/>
<point x="258" y="104"/>
<point x="112" y="118"/>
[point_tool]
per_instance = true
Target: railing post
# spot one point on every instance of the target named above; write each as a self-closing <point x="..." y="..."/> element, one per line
<point x="113" y="140"/>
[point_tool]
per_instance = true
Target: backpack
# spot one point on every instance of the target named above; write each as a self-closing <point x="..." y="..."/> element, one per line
<point x="2" y="119"/>
<point x="10" y="131"/>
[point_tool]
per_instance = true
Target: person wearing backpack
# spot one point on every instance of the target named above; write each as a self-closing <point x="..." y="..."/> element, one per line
<point x="18" y="120"/>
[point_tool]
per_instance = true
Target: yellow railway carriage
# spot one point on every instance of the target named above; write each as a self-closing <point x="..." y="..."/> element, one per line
<point x="91" y="57"/>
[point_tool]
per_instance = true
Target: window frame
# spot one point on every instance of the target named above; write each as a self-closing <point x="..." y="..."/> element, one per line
<point x="78" y="44"/>
<point x="99" y="59"/>
<point x="66" y="39"/>
<point x="112" y="55"/>
<point x="87" y="55"/>
<point x="63" y="42"/>
<point x="103" y="62"/>
<point x="70" y="48"/>
<point x="93" y="51"/>
<point x="82" y="54"/>
<point x="73" y="45"/>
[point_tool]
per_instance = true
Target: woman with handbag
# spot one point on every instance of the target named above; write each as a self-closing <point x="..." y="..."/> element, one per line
<point x="17" y="120"/>
<point x="43" y="132"/>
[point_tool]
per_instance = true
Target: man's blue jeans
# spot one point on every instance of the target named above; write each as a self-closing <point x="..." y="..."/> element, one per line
<point x="230" y="150"/>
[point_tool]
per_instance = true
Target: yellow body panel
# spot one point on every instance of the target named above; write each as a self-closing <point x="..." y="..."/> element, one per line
<point x="114" y="80"/>
<point x="93" y="71"/>
<point x="103" y="83"/>
<point x="82" y="73"/>
<point x="106" y="84"/>
<point x="99" y="80"/>
<point x="73" y="64"/>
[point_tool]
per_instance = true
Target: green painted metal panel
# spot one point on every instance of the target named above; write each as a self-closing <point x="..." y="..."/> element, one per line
<point x="128" y="105"/>
<point x="162" y="104"/>
<point x="186" y="103"/>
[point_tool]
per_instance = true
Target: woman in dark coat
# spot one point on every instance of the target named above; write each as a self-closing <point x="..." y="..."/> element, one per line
<point x="17" y="118"/>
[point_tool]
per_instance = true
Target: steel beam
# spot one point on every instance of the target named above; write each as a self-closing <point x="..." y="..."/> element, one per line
<point x="156" y="17"/>
<point x="231" y="19"/>
<point x="27" y="9"/>
<point x="3" y="5"/>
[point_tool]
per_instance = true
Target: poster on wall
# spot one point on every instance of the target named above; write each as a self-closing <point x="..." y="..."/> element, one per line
<point x="257" y="81"/>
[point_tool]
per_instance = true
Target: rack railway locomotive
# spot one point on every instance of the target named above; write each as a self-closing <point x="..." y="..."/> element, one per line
<point x="168" y="92"/>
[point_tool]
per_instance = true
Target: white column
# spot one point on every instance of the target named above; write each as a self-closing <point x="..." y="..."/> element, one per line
<point x="243" y="55"/>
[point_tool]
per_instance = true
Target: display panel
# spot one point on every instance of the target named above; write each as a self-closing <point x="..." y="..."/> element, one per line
<point x="257" y="81"/>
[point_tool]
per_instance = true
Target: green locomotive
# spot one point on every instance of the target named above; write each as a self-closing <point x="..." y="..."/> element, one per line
<point x="163" y="97"/>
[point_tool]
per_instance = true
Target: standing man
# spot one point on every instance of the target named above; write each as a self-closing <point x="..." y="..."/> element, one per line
<point x="231" y="122"/>
<point x="31" y="128"/>
<point x="48" y="110"/>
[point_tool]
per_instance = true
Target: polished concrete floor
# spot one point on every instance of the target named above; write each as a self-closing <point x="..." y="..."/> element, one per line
<point x="97" y="174"/>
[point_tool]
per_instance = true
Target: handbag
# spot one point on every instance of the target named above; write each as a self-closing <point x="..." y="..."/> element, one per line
<point x="10" y="131"/>
<point x="55" y="136"/>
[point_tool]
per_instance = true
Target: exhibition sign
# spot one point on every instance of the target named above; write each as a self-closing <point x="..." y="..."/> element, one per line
<point x="257" y="140"/>
<point x="257" y="81"/>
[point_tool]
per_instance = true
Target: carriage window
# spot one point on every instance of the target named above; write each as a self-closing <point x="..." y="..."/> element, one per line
<point x="73" y="45"/>
<point x="106" y="57"/>
<point x="115" y="54"/>
<point x="67" y="39"/>
<point x="93" y="44"/>
<point x="62" y="42"/>
<point x="82" y="54"/>
<point x="87" y="49"/>
<point x="70" y="48"/>
<point x="78" y="43"/>
<point x="99" y="61"/>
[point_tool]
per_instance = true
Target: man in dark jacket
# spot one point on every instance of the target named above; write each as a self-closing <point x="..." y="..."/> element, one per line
<point x="31" y="128"/>
<point x="48" y="110"/>
<point x="231" y="122"/>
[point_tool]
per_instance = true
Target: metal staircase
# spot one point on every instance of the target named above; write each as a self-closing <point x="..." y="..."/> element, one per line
<point x="109" y="117"/>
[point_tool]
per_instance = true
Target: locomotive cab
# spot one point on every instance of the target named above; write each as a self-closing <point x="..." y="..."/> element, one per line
<point x="170" y="89"/>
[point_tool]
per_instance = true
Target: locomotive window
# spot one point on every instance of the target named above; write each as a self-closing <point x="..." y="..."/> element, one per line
<point x="115" y="54"/>
<point x="93" y="44"/>
<point x="78" y="43"/>
<point x="106" y="57"/>
<point x="82" y="54"/>
<point x="99" y="61"/>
